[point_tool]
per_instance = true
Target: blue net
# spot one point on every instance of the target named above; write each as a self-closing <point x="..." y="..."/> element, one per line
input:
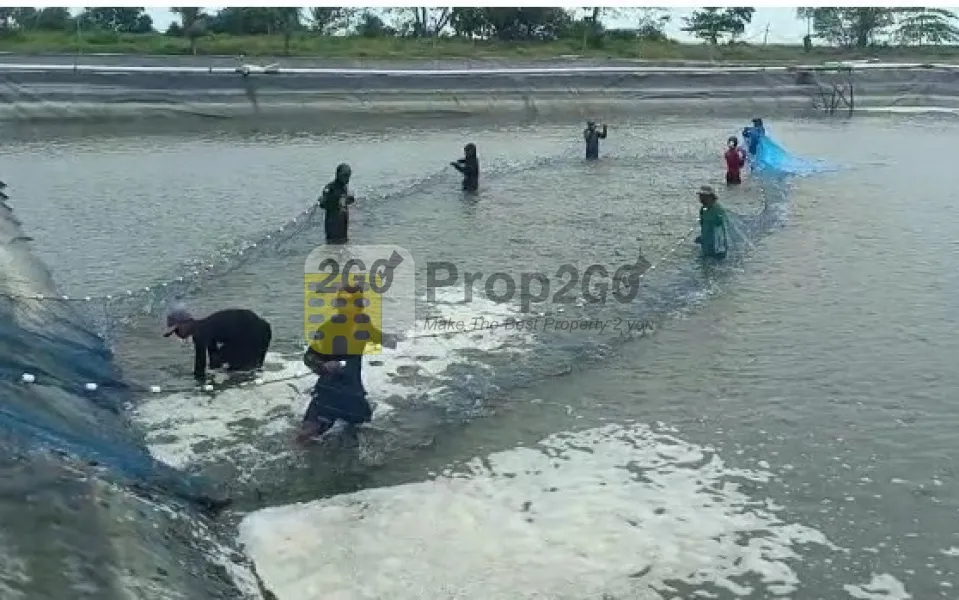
<point x="59" y="413"/>
<point x="771" y="157"/>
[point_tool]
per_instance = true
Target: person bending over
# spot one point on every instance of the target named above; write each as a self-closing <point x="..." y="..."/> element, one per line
<point x="235" y="338"/>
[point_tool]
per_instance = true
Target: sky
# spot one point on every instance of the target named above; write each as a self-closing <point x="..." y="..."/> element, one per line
<point x="783" y="25"/>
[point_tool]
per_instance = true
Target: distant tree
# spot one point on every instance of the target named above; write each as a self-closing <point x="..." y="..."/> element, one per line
<point x="229" y="20"/>
<point x="738" y="18"/>
<point x="708" y="24"/>
<point x="827" y="24"/>
<point x="287" y="21"/>
<point x="54" y="19"/>
<point x="422" y="21"/>
<point x="533" y="23"/>
<point x="188" y="15"/>
<point x="806" y="13"/>
<point x="711" y="24"/>
<point x="25" y="16"/>
<point x="370" y="26"/>
<point x="848" y="27"/>
<point x="258" y="21"/>
<point x="193" y="24"/>
<point x="144" y="24"/>
<point x="921" y="26"/>
<point x="470" y="22"/>
<point x="120" y="20"/>
<point x="48" y="19"/>
<point x="6" y="17"/>
<point x="652" y="24"/>
<point x="868" y="23"/>
<point x="326" y="20"/>
<point x="245" y="21"/>
<point x="592" y="25"/>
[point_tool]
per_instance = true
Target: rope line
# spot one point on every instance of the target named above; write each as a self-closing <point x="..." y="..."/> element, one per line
<point x="246" y="247"/>
<point x="195" y="273"/>
<point x="226" y="257"/>
<point x="29" y="378"/>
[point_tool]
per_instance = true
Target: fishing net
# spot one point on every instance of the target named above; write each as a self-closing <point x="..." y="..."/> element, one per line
<point x="772" y="158"/>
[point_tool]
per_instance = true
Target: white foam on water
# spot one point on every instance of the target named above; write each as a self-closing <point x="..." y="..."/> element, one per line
<point x="880" y="587"/>
<point x="176" y="423"/>
<point x="188" y="428"/>
<point x="621" y="510"/>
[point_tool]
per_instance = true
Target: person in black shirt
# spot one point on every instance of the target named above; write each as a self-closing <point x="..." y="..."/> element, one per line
<point x="335" y="200"/>
<point x="592" y="136"/>
<point x="235" y="337"/>
<point x="339" y="393"/>
<point x="469" y="167"/>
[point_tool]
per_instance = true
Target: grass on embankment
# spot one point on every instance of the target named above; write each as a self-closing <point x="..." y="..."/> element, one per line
<point x="307" y="45"/>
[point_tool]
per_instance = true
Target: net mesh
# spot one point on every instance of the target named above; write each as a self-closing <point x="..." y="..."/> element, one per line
<point x="772" y="158"/>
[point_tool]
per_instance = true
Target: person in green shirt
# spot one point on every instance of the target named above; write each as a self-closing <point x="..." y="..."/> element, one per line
<point x="713" y="231"/>
<point x="335" y="200"/>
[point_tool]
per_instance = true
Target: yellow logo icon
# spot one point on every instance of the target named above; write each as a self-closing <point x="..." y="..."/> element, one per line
<point x="343" y="315"/>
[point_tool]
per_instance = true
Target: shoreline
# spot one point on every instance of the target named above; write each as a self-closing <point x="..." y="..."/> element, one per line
<point x="118" y="87"/>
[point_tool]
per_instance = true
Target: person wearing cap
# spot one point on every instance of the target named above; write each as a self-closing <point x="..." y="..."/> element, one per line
<point x="592" y="136"/>
<point x="735" y="161"/>
<point x="713" y="232"/>
<point x="469" y="167"/>
<point x="339" y="393"/>
<point x="335" y="200"/>
<point x="235" y="338"/>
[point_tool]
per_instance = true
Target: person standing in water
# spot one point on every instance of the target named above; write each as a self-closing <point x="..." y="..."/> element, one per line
<point x="339" y="394"/>
<point x="235" y="337"/>
<point x="335" y="200"/>
<point x="592" y="136"/>
<point x="752" y="135"/>
<point x="713" y="232"/>
<point x="469" y="167"/>
<point x="735" y="161"/>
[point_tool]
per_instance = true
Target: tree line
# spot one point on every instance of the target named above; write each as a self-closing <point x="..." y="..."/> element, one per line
<point x="505" y="24"/>
<point x="865" y="27"/>
<point x="497" y="23"/>
<point x="843" y="27"/>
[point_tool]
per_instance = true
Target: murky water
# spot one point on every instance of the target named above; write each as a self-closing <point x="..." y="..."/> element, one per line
<point x="819" y="355"/>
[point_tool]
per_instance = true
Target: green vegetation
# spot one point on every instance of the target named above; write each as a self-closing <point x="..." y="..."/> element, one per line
<point x="424" y="32"/>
